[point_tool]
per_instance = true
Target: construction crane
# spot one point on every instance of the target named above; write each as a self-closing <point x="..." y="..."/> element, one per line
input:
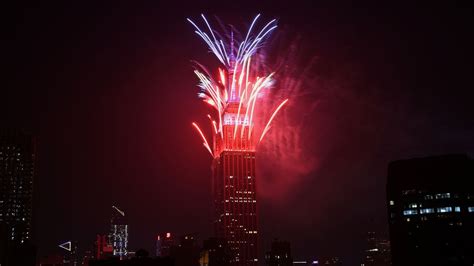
<point x="118" y="210"/>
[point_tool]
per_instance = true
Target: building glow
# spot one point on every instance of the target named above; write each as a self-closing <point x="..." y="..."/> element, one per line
<point x="238" y="127"/>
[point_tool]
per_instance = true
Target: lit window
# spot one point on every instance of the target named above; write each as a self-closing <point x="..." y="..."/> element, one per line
<point x="443" y="196"/>
<point x="426" y="210"/>
<point x="413" y="205"/>
<point x="470" y="209"/>
<point x="392" y="203"/>
<point x="457" y="209"/>
<point x="444" y="209"/>
<point x="410" y="212"/>
<point x="428" y="197"/>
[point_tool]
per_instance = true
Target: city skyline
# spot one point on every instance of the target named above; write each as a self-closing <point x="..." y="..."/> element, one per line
<point x="96" y="84"/>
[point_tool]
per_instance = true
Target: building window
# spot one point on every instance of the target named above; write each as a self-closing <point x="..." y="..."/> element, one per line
<point x="392" y="203"/>
<point x="413" y="205"/>
<point x="457" y="209"/>
<point x="444" y="209"/>
<point x="443" y="196"/>
<point x="410" y="212"/>
<point x="470" y="209"/>
<point x="428" y="197"/>
<point x="426" y="210"/>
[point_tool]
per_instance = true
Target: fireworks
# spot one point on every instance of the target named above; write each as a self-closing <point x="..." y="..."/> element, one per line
<point x="235" y="93"/>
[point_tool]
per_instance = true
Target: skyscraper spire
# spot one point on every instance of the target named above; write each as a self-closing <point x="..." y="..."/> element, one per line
<point x="231" y="69"/>
<point x="232" y="56"/>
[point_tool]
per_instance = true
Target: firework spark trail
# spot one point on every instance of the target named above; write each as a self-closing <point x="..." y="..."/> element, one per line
<point x="203" y="138"/>
<point x="236" y="82"/>
<point x="267" y="127"/>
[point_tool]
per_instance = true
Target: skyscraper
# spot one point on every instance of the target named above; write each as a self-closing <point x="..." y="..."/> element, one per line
<point x="234" y="188"/>
<point x="431" y="211"/>
<point x="234" y="95"/>
<point x="17" y="170"/>
<point x="118" y="233"/>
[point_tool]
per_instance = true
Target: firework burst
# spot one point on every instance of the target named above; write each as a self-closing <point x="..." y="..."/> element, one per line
<point x="236" y="90"/>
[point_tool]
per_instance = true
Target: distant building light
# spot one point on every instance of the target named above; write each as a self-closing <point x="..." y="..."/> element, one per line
<point x="168" y="235"/>
<point x="413" y="205"/>
<point x="428" y="197"/>
<point x="470" y="209"/>
<point x="300" y="262"/>
<point x="444" y="209"/>
<point x="410" y="212"/>
<point x="457" y="209"/>
<point x="392" y="203"/>
<point x="426" y="210"/>
<point x="443" y="196"/>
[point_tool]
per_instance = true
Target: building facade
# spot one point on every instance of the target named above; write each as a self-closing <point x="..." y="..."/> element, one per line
<point x="17" y="171"/>
<point x="431" y="211"/>
<point x="234" y="188"/>
<point x="118" y="237"/>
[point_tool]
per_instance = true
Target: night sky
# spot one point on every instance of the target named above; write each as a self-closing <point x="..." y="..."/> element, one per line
<point x="109" y="91"/>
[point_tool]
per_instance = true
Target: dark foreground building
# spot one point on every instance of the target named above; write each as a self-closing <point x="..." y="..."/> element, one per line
<point x="186" y="253"/>
<point x="141" y="259"/>
<point x="279" y="255"/>
<point x="17" y="170"/>
<point x="431" y="211"/>
<point x="215" y="252"/>
<point x="377" y="252"/>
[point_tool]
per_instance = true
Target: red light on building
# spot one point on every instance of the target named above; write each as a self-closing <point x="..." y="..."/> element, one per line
<point x="102" y="248"/>
<point x="164" y="242"/>
<point x="234" y="97"/>
<point x="234" y="186"/>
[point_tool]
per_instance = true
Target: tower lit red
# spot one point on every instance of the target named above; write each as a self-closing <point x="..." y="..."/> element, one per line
<point x="235" y="95"/>
<point x="234" y="192"/>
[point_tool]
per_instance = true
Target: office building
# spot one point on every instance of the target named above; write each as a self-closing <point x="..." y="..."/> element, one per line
<point x="17" y="171"/>
<point x="431" y="211"/>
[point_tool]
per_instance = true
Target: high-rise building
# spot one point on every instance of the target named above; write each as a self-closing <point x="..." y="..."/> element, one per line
<point x="164" y="242"/>
<point x="431" y="211"/>
<point x="279" y="255"/>
<point x="118" y="236"/>
<point x="17" y="171"/>
<point x="234" y="187"/>
<point x="377" y="252"/>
